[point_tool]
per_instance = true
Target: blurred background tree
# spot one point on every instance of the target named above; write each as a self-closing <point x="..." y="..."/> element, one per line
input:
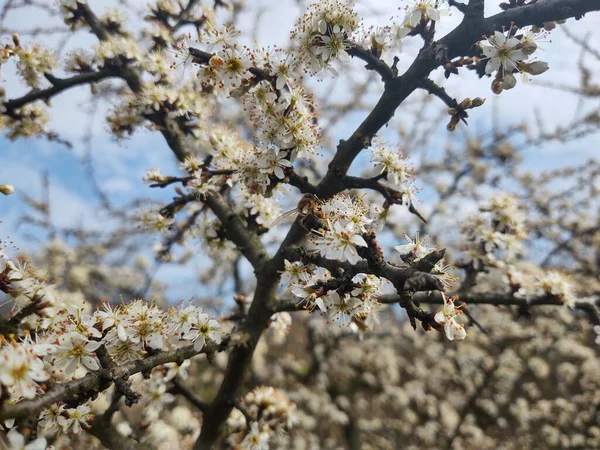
<point x="511" y="199"/>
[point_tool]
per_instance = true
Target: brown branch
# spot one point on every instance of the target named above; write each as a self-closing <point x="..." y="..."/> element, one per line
<point x="92" y="20"/>
<point x="406" y="280"/>
<point x="58" y="85"/>
<point x="373" y="62"/>
<point x="180" y="388"/>
<point x="500" y="299"/>
<point x="95" y="382"/>
<point x="246" y="241"/>
<point x="251" y="329"/>
<point x="431" y="87"/>
<point x="565" y="244"/>
<point x="461" y="41"/>
<point x="460" y="6"/>
<point x="391" y="195"/>
<point x="301" y="183"/>
<point x="102" y="428"/>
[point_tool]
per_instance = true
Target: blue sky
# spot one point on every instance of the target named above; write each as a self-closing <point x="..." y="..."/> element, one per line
<point x="120" y="165"/>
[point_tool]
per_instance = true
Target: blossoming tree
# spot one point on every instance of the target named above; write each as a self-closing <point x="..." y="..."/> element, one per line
<point x="73" y="366"/>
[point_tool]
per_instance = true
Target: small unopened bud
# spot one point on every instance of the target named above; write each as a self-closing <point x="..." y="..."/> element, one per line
<point x="477" y="101"/>
<point x="16" y="39"/>
<point x="240" y="299"/>
<point x="534" y="68"/>
<point x="528" y="47"/>
<point x="216" y="62"/>
<point x="7" y="189"/>
<point x="509" y="81"/>
<point x="376" y="47"/>
<point x="214" y="141"/>
<point x="466" y="103"/>
<point x="497" y="86"/>
<point x="452" y="124"/>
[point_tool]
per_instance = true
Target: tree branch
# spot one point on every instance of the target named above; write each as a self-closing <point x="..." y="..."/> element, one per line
<point x="110" y="438"/>
<point x="459" y="42"/>
<point x="180" y="388"/>
<point x="431" y="87"/>
<point x="95" y="382"/>
<point x="246" y="241"/>
<point x="500" y="299"/>
<point x="373" y="62"/>
<point x="460" y="6"/>
<point x="58" y="85"/>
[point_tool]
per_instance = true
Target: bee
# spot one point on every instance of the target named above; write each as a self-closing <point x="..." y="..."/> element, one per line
<point x="310" y="213"/>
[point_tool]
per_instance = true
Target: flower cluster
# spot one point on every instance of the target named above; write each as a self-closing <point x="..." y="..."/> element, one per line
<point x="227" y="69"/>
<point x="387" y="40"/>
<point x="499" y="227"/>
<point x="263" y="210"/>
<point x="324" y="34"/>
<point x="70" y="12"/>
<point x="79" y="61"/>
<point x="414" y="250"/>
<point x="21" y="369"/>
<point x="58" y="418"/>
<point x="343" y="221"/>
<point x="18" y="442"/>
<point x="117" y="50"/>
<point x="27" y="121"/>
<point x="272" y="415"/>
<point x="25" y="285"/>
<point x="551" y="283"/>
<point x="345" y="304"/>
<point x="447" y="318"/>
<point x="185" y="106"/>
<point x="33" y="62"/>
<point x="506" y="53"/>
<point x="283" y="118"/>
<point x="423" y="11"/>
<point x="152" y="220"/>
<point x="68" y="338"/>
<point x="280" y="325"/>
<point x="392" y="164"/>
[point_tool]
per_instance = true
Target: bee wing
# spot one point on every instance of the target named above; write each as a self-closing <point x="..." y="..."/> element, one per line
<point x="288" y="216"/>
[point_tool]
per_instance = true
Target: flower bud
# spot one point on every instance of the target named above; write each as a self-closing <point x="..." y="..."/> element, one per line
<point x="509" y="81"/>
<point x="7" y="189"/>
<point x="497" y="86"/>
<point x="477" y="101"/>
<point x="529" y="47"/>
<point x="16" y="39"/>
<point x="216" y="62"/>
<point x="452" y="124"/>
<point x="534" y="68"/>
<point x="466" y="103"/>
